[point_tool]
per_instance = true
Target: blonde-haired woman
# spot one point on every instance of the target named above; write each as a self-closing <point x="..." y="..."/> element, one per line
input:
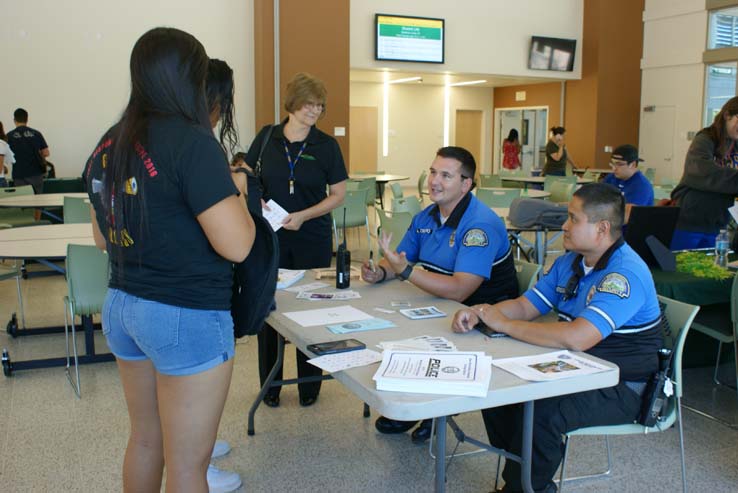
<point x="298" y="163"/>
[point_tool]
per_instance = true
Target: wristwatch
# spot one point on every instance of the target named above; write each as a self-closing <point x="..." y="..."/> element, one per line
<point x="405" y="274"/>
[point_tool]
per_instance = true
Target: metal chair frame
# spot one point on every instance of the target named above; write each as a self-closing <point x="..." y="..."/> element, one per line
<point x="680" y="316"/>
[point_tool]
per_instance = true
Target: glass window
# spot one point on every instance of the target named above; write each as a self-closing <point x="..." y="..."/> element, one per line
<point x="719" y="88"/>
<point x="723" y="28"/>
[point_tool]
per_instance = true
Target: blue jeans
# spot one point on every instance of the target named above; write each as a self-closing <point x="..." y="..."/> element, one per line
<point x="178" y="341"/>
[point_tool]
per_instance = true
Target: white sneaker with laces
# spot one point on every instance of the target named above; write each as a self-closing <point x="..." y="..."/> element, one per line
<point x="220" y="481"/>
<point x="220" y="449"/>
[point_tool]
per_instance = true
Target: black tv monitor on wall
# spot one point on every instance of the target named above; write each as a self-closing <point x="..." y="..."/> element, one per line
<point x="402" y="38"/>
<point x="552" y="54"/>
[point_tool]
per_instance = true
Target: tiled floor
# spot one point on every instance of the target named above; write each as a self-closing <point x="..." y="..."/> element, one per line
<point x="51" y="441"/>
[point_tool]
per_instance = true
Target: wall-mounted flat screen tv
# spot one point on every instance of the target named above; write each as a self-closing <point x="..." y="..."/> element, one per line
<point x="408" y="39"/>
<point x="552" y="54"/>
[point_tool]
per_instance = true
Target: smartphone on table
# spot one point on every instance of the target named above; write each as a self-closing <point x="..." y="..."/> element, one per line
<point x="333" y="347"/>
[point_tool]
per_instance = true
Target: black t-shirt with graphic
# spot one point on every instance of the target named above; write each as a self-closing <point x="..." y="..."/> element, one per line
<point x="27" y="143"/>
<point x="321" y="164"/>
<point x="166" y="256"/>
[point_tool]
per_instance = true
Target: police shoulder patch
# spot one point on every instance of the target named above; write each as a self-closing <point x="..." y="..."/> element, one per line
<point x="475" y="237"/>
<point x="616" y="284"/>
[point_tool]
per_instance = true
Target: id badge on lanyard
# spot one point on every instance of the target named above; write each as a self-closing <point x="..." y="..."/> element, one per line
<point x="292" y="163"/>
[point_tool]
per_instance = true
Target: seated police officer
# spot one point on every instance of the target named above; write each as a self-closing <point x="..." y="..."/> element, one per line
<point x="606" y="303"/>
<point x="628" y="178"/>
<point x="461" y="245"/>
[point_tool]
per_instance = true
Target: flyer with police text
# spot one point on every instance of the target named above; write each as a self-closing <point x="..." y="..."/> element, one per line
<point x="451" y="373"/>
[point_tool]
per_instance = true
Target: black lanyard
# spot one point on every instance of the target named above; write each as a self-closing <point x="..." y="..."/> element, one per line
<point x="292" y="163"/>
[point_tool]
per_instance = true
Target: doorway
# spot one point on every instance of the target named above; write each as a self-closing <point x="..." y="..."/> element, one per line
<point x="531" y="124"/>
<point x="363" y="122"/>
<point x="469" y="133"/>
<point x="657" y="142"/>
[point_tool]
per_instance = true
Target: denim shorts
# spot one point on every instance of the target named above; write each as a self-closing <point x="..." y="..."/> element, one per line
<point x="178" y="341"/>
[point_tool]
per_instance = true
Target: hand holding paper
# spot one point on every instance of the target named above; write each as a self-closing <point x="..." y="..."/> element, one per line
<point x="274" y="213"/>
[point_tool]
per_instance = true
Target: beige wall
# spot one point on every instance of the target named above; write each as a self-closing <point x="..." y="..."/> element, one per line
<point x="416" y="122"/>
<point x="482" y="36"/>
<point x="673" y="81"/>
<point x="67" y="63"/>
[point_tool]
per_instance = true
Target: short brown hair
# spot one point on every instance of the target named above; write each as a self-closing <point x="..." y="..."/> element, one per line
<point x="717" y="129"/>
<point x="303" y="89"/>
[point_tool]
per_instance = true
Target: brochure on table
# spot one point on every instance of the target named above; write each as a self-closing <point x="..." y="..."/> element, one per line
<point x="452" y="373"/>
<point x="549" y="366"/>
<point x="343" y="361"/>
<point x="288" y="277"/>
<point x="327" y="316"/>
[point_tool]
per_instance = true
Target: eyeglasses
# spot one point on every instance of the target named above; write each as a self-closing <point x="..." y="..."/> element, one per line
<point x="314" y="106"/>
<point x="615" y="163"/>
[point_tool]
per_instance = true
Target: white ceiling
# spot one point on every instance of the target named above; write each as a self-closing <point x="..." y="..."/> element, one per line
<point x="439" y="79"/>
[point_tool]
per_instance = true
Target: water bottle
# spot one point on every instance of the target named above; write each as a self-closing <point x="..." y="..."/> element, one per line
<point x="721" y="248"/>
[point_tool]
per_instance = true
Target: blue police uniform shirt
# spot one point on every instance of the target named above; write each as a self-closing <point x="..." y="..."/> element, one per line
<point x="473" y="239"/>
<point x="637" y="189"/>
<point x="618" y="297"/>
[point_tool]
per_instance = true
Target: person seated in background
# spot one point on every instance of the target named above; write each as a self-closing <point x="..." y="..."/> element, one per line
<point x="606" y="302"/>
<point x="461" y="244"/>
<point x="627" y="178"/>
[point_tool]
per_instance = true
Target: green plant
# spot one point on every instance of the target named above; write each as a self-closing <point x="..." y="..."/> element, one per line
<point x="701" y="265"/>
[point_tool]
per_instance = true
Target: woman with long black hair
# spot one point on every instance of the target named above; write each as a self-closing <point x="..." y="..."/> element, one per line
<point x="173" y="219"/>
<point x="511" y="151"/>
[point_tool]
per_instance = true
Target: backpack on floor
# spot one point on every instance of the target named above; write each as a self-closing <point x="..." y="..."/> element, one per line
<point x="537" y="213"/>
<point x="255" y="281"/>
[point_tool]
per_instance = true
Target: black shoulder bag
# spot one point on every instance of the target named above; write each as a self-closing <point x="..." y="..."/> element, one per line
<point x="255" y="279"/>
<point x="255" y="189"/>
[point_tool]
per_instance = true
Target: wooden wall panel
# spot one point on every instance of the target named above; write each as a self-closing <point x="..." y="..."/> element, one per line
<point x="263" y="63"/>
<point x="469" y="134"/>
<point x="314" y="38"/>
<point x="363" y="138"/>
<point x="619" y="94"/>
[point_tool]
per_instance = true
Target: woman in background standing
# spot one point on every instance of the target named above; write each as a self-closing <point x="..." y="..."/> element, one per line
<point x="709" y="184"/>
<point x="511" y="151"/>
<point x="298" y="163"/>
<point x="556" y="154"/>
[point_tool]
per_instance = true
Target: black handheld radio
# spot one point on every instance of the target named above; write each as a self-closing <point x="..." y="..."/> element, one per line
<point x="655" y="395"/>
<point x="343" y="261"/>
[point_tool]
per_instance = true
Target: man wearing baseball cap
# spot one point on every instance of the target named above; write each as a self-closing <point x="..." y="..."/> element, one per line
<point x="628" y="179"/>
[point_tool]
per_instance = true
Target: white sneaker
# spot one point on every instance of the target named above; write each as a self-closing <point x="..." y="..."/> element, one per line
<point x="220" y="481"/>
<point x="220" y="448"/>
